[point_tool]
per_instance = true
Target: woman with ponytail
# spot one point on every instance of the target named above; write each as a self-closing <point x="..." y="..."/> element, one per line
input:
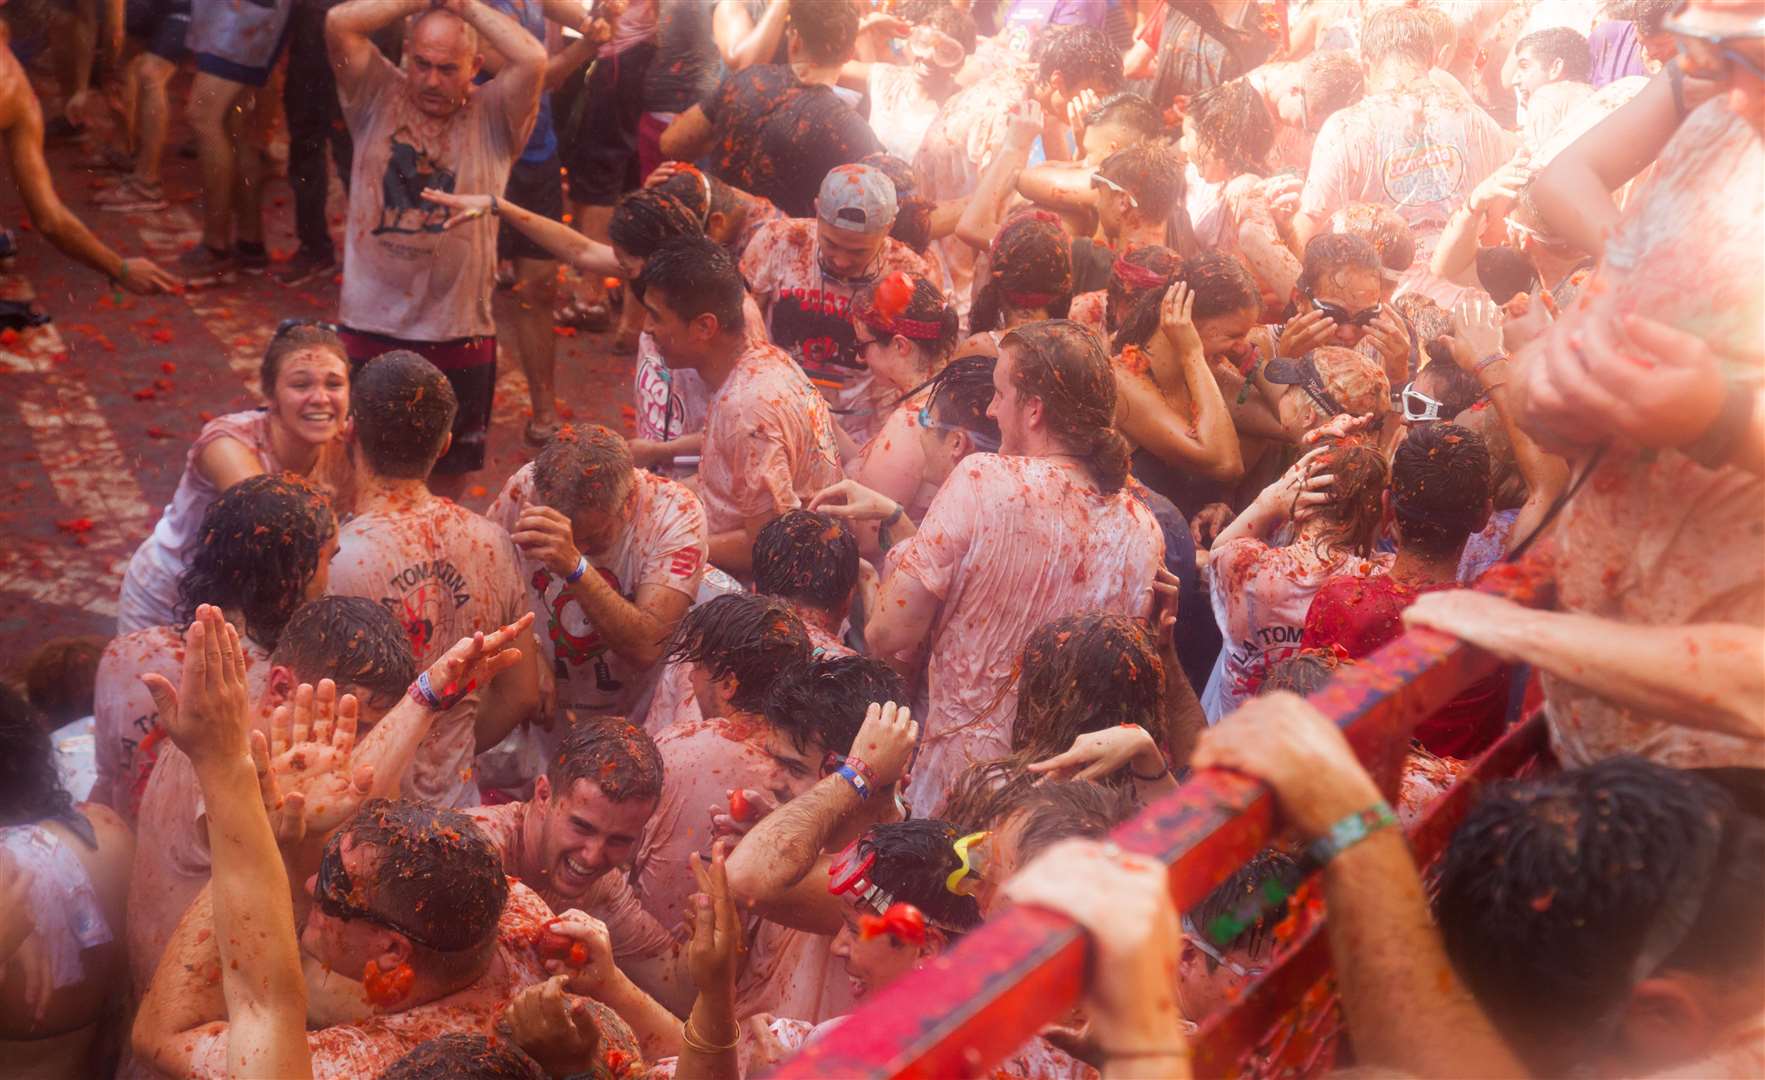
<point x="1135" y="272"/>
<point x="1044" y="528"/>
<point x="905" y="331"/>
<point x="1029" y="278"/>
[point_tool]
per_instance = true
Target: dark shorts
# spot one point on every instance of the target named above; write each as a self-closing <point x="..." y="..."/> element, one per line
<point x="536" y="187"/>
<point x="228" y="44"/>
<point x="601" y="153"/>
<point x="469" y="364"/>
<point x="160" y="25"/>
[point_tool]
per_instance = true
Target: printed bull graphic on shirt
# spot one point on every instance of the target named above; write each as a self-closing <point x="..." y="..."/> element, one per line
<point x="408" y="171"/>
<point x="573" y="650"/>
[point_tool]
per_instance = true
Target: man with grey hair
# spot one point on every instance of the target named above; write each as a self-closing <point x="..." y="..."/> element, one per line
<point x="803" y="273"/>
<point x="409" y="282"/>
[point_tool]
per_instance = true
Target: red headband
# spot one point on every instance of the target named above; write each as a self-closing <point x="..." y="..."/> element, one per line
<point x="1136" y="276"/>
<point x="1030" y="299"/>
<point x="884" y="311"/>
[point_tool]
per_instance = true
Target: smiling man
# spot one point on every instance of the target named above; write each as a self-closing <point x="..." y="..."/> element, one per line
<point x="409" y="282"/>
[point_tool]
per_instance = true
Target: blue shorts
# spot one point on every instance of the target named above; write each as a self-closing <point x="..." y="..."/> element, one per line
<point x="238" y="40"/>
<point x="160" y="25"/>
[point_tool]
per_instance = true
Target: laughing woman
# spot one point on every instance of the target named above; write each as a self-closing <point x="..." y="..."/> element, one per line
<point x="305" y="378"/>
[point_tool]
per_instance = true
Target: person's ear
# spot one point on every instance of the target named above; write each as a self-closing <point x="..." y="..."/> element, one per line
<point x="542" y="788"/>
<point x="1032" y="412"/>
<point x="727" y="686"/>
<point x="715" y="222"/>
<point x="1666" y="1019"/>
<point x="280" y="687"/>
<point x="1556" y="69"/>
<point x="703" y="327"/>
<point x="446" y="443"/>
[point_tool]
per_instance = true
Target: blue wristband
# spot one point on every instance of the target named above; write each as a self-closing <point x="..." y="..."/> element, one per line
<point x="423" y="693"/>
<point x="581" y="568"/>
<point x="859" y="784"/>
<point x="1348" y="832"/>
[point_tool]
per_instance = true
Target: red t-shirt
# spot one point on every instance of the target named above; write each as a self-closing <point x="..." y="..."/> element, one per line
<point x="1360" y="614"/>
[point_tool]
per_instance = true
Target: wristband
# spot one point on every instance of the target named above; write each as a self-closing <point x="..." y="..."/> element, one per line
<point x="862" y="768"/>
<point x="894" y="517"/>
<point x="1490" y="359"/>
<point x="852" y="776"/>
<point x="581" y="568"/>
<point x="1716" y="445"/>
<point x="1160" y="775"/>
<point x="496" y="209"/>
<point x="423" y="694"/>
<point x="1348" y="832"/>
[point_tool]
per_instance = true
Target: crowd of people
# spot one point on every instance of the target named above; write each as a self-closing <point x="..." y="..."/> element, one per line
<point x="1034" y="399"/>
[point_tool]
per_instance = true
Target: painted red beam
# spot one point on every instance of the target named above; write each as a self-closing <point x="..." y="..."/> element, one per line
<point x="971" y="1007"/>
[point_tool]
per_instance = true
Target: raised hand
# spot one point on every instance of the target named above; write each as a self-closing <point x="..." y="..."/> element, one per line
<point x="208" y="715"/>
<point x="716" y="947"/>
<point x="745" y="808"/>
<point x="555" y="1028"/>
<point x="466" y="208"/>
<point x="546" y="536"/>
<point x="885" y="741"/>
<point x="477" y="659"/>
<point x="852" y="500"/>
<point x="1292" y="747"/>
<point x="1305" y="332"/>
<point x="1176" y="317"/>
<point x="1477" y="323"/>
<point x="1097" y="754"/>
<point x="308" y="761"/>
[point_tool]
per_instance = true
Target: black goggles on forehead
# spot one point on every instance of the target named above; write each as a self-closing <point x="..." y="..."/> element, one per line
<point x="296" y="323"/>
<point x="1341" y="316"/>
<point x="334" y="893"/>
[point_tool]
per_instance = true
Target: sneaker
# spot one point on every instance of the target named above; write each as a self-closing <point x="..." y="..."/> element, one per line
<point x="251" y="258"/>
<point x="304" y="267"/>
<point x="132" y="195"/>
<point x="203" y="267"/>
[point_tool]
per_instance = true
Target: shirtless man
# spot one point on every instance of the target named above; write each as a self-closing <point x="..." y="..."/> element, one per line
<point x="443" y="571"/>
<point x="63" y="875"/>
<point x="21" y="121"/>
<point x="1042" y="529"/>
<point x="769" y="439"/>
<point x="611" y="557"/>
<point x="353" y="642"/>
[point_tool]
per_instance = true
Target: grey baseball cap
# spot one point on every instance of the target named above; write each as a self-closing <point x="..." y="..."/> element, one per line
<point x="857" y="197"/>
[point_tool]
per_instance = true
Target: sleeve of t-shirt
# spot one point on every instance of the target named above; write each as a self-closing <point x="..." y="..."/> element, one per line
<point x="358" y="108"/>
<point x="1328" y="177"/>
<point x="1227" y="569"/>
<point x="675" y="556"/>
<point x="934" y="554"/>
<point x="759" y="262"/>
<point x="506" y="510"/>
<point x="712" y="105"/>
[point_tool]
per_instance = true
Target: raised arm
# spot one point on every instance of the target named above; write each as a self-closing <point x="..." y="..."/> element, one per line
<point x="1406" y="1011"/>
<point x="741" y="41"/>
<point x="980" y="219"/>
<point x="349" y="29"/>
<point x="1200" y="438"/>
<point x="770" y="870"/>
<point x="1280" y="501"/>
<point x="584" y="254"/>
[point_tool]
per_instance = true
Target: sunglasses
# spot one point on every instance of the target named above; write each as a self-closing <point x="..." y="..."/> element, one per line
<point x="1341" y="316"/>
<point x="931" y="44"/>
<point x="1099" y="180"/>
<point x="1708" y="50"/>
<point x="296" y="323"/>
<point x="982" y="442"/>
<point x="335" y="889"/>
<point x="1208" y="950"/>
<point x="1418" y="406"/>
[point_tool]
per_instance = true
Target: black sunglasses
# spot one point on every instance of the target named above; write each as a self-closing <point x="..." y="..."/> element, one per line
<point x="293" y="324"/>
<point x="334" y="891"/>
<point x="1341" y="316"/>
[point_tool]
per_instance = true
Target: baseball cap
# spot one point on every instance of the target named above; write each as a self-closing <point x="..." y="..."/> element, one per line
<point x="1340" y="380"/>
<point x="857" y="197"/>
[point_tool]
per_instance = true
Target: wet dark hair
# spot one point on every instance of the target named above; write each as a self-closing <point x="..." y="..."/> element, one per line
<point x="1328" y="254"/>
<point x="689" y="185"/>
<point x="926" y="304"/>
<point x="258" y="546"/>
<point x="352" y="641"/>
<point x="808" y="557"/>
<point x="699" y="277"/>
<point x="1081" y="55"/>
<point x="1220" y="284"/>
<point x="462" y="1056"/>
<point x="1268" y="866"/>
<point x="1333" y="81"/>
<point x="749" y="636"/>
<point x="299" y="337"/>
<point x="1233" y="121"/>
<point x="1439" y="487"/>
<point x="820" y="703"/>
<point x="829" y="29"/>
<point x="30" y="786"/>
<point x="1129" y="110"/>
<point x="1504" y="272"/>
<point x="913" y="211"/>
<point x="1558" y="894"/>
<point x="1073" y="808"/>
<point x="1120" y="296"/>
<point x="61" y="677"/>
<point x="1455" y="388"/>
<point x="913" y="861"/>
<point x="435" y="872"/>
<point x="952" y="20"/>
<point x="1560" y="43"/>
<point x="645" y="219"/>
<point x="1355" y="506"/>
<point x="960" y="395"/>
<point x="583" y="468"/>
<point x="404" y="408"/>
<point x="1063" y="363"/>
<point x="613" y="754"/>
<point x="1083" y="673"/>
<point x="1303" y="673"/>
<point x="1152" y="172"/>
<point x="1031" y="256"/>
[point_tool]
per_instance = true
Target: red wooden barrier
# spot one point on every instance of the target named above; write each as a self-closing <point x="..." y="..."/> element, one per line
<point x="975" y="1004"/>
